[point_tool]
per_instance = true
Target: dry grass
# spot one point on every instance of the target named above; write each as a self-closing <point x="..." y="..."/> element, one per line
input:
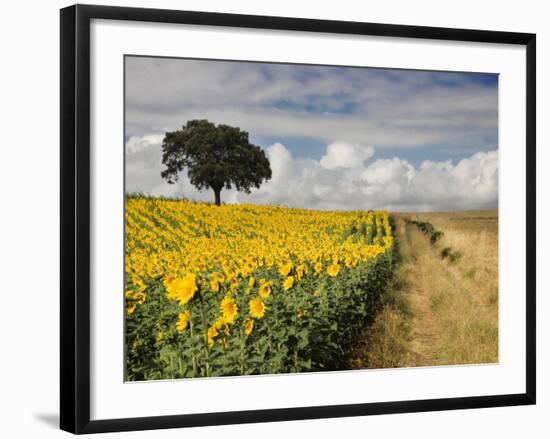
<point x="440" y="312"/>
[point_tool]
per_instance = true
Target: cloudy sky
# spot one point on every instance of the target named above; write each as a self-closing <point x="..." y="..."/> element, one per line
<point x="336" y="137"/>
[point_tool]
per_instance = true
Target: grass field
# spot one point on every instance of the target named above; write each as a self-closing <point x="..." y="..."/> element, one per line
<point x="439" y="310"/>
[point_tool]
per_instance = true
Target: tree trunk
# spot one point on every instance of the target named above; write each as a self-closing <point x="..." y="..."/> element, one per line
<point x="217" y="196"/>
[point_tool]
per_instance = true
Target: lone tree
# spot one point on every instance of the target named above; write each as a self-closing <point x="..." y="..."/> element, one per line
<point x="216" y="156"/>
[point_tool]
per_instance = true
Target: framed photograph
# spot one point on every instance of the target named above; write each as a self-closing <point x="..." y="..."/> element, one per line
<point x="268" y="218"/>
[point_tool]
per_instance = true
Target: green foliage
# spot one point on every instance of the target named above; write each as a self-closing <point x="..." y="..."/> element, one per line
<point x="454" y="256"/>
<point x="434" y="236"/>
<point x="304" y="330"/>
<point x="428" y="229"/>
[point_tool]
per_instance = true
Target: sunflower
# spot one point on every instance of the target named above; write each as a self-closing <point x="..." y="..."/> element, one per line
<point x="215" y="286"/>
<point x="257" y="308"/>
<point x="160" y="336"/>
<point x="248" y="326"/>
<point x="251" y="281"/>
<point x="288" y="283"/>
<point x="229" y="309"/>
<point x="318" y="267"/>
<point x="219" y="323"/>
<point x="285" y="269"/>
<point x="210" y="335"/>
<point x="333" y="270"/>
<point x="182" y="289"/>
<point x="265" y="290"/>
<point x="217" y="276"/>
<point x="140" y="297"/>
<point x="183" y="321"/>
<point x="131" y="308"/>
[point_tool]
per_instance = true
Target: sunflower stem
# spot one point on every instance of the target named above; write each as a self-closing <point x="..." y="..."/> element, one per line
<point x="180" y="367"/>
<point x="242" y="351"/>
<point x="243" y="307"/>
<point x="205" y="331"/>
<point x="194" y="360"/>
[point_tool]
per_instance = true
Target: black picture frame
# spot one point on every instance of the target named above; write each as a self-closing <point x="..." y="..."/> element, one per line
<point x="75" y="217"/>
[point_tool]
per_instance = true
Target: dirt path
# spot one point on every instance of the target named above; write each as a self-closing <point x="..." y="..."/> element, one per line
<point x="423" y="271"/>
<point x="434" y="313"/>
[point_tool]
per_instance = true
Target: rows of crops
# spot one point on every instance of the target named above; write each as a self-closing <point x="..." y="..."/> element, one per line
<point x="246" y="289"/>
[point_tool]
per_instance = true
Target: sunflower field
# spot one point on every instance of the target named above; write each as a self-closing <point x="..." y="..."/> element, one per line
<point x="247" y="289"/>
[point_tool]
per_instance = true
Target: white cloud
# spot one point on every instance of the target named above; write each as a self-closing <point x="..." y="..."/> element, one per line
<point x="346" y="155"/>
<point x="138" y="143"/>
<point x="393" y="184"/>
<point x="470" y="184"/>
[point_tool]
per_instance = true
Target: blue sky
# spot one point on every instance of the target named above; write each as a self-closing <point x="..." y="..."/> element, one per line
<point x="373" y="114"/>
<point x="345" y="104"/>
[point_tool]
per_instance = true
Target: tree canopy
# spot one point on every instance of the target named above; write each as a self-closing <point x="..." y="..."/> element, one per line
<point x="215" y="156"/>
